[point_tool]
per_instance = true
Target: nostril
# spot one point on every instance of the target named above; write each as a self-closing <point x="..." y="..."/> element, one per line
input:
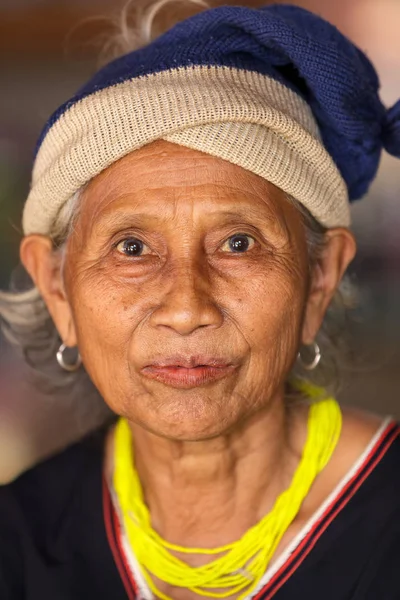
<point x="185" y="316"/>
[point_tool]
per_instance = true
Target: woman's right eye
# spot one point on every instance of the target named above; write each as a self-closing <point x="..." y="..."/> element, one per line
<point x="133" y="247"/>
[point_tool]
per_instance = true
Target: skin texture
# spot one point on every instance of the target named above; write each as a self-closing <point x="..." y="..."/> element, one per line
<point x="212" y="457"/>
<point x="187" y="294"/>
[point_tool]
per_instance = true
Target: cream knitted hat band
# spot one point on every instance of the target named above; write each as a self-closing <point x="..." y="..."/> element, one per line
<point x="244" y="117"/>
<point x="276" y="90"/>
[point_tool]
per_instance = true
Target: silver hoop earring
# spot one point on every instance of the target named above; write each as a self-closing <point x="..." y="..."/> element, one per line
<point x="317" y="357"/>
<point x="70" y="367"/>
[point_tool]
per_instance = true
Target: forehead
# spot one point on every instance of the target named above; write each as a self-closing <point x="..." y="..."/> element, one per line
<point x="162" y="175"/>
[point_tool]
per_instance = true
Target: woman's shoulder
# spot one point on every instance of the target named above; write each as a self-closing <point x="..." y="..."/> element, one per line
<point x="363" y="432"/>
<point x="48" y="516"/>
<point x="364" y="468"/>
<point x="369" y="498"/>
<point x="368" y="457"/>
<point x="359" y="430"/>
<point x="39" y="496"/>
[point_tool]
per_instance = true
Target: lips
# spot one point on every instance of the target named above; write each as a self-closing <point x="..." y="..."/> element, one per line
<point x="187" y="372"/>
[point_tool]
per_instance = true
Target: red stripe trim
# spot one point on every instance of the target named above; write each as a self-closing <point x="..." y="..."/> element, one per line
<point x="312" y="538"/>
<point x="110" y="520"/>
<point x="122" y="551"/>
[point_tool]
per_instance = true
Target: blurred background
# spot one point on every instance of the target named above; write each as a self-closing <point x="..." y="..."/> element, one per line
<point x="48" y="48"/>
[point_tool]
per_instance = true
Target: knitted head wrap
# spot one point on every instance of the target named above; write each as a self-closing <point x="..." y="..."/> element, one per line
<point x="276" y="90"/>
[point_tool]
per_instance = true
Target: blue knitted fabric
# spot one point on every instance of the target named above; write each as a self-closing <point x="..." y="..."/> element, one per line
<point x="295" y="47"/>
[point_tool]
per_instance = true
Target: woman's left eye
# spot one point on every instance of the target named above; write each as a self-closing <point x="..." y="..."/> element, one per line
<point x="238" y="243"/>
<point x="133" y="247"/>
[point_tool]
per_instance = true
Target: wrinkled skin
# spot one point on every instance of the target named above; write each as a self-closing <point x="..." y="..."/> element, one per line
<point x="188" y="293"/>
<point x="152" y="271"/>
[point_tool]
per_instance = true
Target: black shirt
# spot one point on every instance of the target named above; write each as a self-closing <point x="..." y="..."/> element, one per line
<point x="60" y="537"/>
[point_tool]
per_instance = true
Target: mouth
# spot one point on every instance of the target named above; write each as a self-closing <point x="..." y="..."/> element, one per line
<point x="188" y="372"/>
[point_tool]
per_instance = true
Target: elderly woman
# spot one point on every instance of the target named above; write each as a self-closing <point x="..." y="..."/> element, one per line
<point x="187" y="229"/>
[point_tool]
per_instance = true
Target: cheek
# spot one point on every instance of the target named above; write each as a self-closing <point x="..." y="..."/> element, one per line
<point x="270" y="317"/>
<point x="263" y="308"/>
<point x="264" y="304"/>
<point x="106" y="312"/>
<point x="270" y="305"/>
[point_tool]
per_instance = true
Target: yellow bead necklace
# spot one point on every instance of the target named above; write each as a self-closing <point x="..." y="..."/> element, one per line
<point x="245" y="561"/>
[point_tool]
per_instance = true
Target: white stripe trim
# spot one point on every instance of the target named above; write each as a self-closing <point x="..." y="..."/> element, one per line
<point x="141" y="584"/>
<point x="144" y="591"/>
<point x="285" y="555"/>
<point x="143" y="588"/>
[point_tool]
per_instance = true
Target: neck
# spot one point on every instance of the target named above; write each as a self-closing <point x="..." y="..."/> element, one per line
<point x="208" y="493"/>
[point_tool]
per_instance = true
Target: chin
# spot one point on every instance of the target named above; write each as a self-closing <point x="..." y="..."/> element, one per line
<point x="187" y="419"/>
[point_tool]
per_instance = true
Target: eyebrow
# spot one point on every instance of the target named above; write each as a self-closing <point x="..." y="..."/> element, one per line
<point x="121" y="219"/>
<point x="123" y="216"/>
<point x="249" y="212"/>
<point x="132" y="219"/>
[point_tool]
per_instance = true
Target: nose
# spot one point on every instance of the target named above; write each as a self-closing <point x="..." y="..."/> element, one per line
<point x="187" y="303"/>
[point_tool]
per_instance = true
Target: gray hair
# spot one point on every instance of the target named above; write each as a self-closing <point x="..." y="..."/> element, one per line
<point x="25" y="319"/>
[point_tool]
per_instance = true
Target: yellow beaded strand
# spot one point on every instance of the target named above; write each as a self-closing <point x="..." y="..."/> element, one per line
<point x="245" y="561"/>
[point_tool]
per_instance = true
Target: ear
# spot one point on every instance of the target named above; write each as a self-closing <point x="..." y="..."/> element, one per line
<point x="338" y="253"/>
<point x="44" y="266"/>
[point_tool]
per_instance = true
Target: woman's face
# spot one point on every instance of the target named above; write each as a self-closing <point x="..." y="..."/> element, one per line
<point x="186" y="285"/>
